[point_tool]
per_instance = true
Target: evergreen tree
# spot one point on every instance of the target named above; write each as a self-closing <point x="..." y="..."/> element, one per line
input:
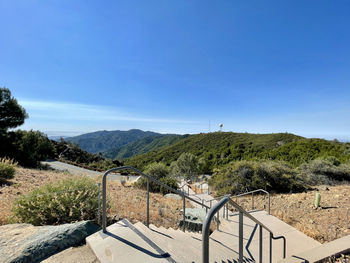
<point x="11" y="113"/>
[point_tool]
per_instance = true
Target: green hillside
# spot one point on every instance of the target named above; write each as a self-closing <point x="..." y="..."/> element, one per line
<point x="141" y="146"/>
<point x="102" y="141"/>
<point x="305" y="150"/>
<point x="216" y="148"/>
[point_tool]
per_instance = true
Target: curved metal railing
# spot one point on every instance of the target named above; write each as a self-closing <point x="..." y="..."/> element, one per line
<point x="104" y="198"/>
<point x="243" y="194"/>
<point x="215" y="209"/>
<point x="183" y="187"/>
<point x="252" y="193"/>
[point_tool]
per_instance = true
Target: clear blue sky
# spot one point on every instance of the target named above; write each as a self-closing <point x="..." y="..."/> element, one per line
<point x="173" y="66"/>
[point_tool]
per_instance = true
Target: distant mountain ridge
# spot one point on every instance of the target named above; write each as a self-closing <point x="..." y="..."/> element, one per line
<point x="101" y="141"/>
<point x="143" y="145"/>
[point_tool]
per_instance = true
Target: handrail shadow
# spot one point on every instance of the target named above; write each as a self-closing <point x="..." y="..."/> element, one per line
<point x="143" y="250"/>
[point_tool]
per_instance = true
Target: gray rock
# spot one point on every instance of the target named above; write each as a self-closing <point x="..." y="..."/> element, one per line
<point x="194" y="219"/>
<point x="174" y="196"/>
<point x="28" y="243"/>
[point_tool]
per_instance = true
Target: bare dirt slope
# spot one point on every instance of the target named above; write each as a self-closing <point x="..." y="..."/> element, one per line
<point x="126" y="201"/>
<point x="324" y="224"/>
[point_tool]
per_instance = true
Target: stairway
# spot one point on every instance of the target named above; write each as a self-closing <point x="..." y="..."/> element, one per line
<point x="126" y="242"/>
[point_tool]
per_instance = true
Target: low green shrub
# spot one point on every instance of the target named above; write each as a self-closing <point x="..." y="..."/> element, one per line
<point x="324" y="171"/>
<point x="66" y="201"/>
<point x="7" y="169"/>
<point x="160" y="172"/>
<point x="242" y="176"/>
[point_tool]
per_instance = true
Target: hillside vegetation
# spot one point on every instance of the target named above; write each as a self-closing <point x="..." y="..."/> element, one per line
<point x="220" y="148"/>
<point x="216" y="148"/>
<point x="141" y="146"/>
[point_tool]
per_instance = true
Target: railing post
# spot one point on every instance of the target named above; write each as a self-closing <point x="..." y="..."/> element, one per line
<point x="217" y="220"/>
<point x="104" y="204"/>
<point x="205" y="228"/>
<point x="268" y="194"/>
<point x="260" y="243"/>
<point x="252" y="201"/>
<point x="240" y="237"/>
<point x="226" y="211"/>
<point x="99" y="204"/>
<point x="184" y="214"/>
<point x="147" y="202"/>
<point x="270" y="248"/>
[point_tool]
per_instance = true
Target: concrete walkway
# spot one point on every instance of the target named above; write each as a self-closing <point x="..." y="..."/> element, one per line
<point x="205" y="198"/>
<point x="123" y="244"/>
<point x="60" y="166"/>
<point x="82" y="254"/>
<point x="321" y="252"/>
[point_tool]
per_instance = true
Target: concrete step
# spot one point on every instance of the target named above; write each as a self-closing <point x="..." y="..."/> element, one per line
<point x="188" y="243"/>
<point x="217" y="252"/>
<point x="125" y="242"/>
<point x="166" y="241"/>
<point x="122" y="243"/>
<point x="322" y="252"/>
<point x="296" y="241"/>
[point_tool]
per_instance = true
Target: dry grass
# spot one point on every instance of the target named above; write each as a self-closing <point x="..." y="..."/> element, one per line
<point x="126" y="201"/>
<point x="24" y="181"/>
<point x="324" y="224"/>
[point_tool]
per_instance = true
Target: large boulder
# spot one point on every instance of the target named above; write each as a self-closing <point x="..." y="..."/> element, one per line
<point x="28" y="243"/>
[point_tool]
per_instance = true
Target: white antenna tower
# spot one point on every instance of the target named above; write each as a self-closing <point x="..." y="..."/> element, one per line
<point x="221" y="126"/>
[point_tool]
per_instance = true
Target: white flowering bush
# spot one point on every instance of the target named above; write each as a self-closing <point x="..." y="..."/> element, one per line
<point x="66" y="201"/>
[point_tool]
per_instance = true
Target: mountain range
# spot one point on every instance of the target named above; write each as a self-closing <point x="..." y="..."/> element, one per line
<point x="123" y="144"/>
<point x="140" y="148"/>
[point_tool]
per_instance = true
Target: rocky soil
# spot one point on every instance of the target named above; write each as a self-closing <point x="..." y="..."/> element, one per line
<point x="323" y="224"/>
<point x="126" y="201"/>
<point x="328" y="222"/>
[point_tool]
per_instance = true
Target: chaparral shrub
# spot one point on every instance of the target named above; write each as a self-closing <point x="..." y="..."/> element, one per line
<point x="160" y="172"/>
<point x="66" y="201"/>
<point x="7" y="169"/>
<point x="242" y="176"/>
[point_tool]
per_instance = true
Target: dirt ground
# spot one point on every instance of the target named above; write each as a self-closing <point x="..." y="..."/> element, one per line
<point x="25" y="180"/>
<point x="328" y="222"/>
<point x="129" y="202"/>
<point x="125" y="201"/>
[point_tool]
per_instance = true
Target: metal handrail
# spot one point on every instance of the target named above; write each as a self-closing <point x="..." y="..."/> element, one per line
<point x="206" y="225"/>
<point x="215" y="209"/>
<point x="194" y="195"/>
<point x="104" y="190"/>
<point x="247" y="193"/>
<point x="188" y="188"/>
<point x="252" y="193"/>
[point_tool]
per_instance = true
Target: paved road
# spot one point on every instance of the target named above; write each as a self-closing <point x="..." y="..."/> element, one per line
<point x="82" y="171"/>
